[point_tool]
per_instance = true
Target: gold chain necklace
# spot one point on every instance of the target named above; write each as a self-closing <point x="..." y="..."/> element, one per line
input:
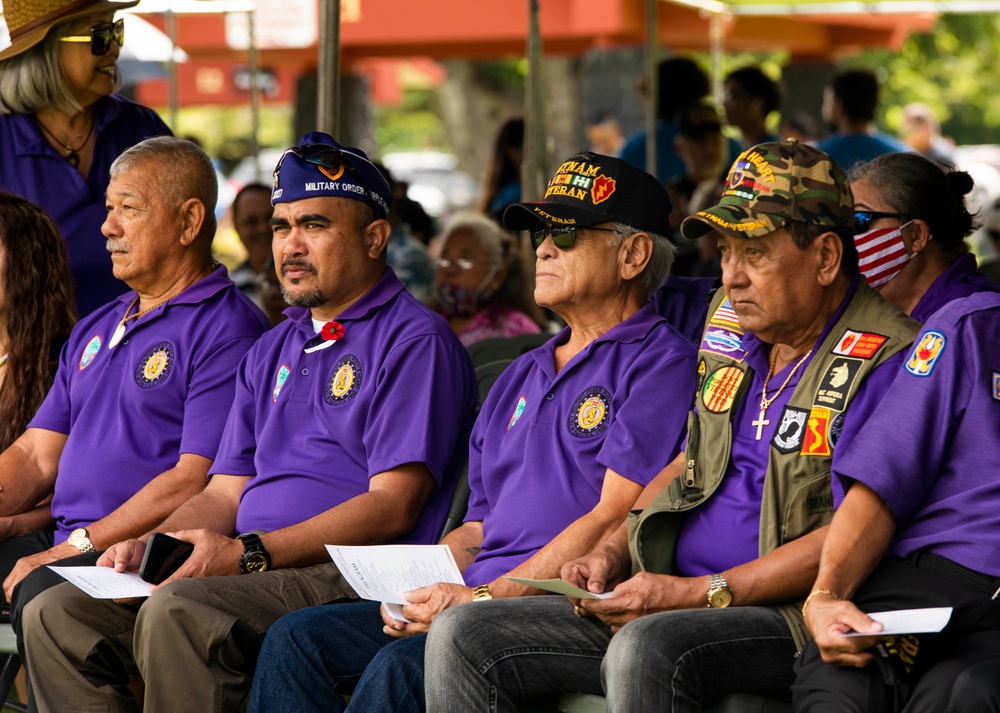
<point x="120" y="329"/>
<point x="764" y="400"/>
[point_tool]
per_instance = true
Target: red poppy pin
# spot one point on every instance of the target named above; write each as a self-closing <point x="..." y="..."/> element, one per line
<point x="330" y="333"/>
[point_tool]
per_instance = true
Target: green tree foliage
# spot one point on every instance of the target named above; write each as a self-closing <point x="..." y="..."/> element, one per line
<point x="952" y="69"/>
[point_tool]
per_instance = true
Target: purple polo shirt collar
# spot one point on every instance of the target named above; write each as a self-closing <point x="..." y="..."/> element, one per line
<point x="28" y="138"/>
<point x="215" y="281"/>
<point x="634" y="329"/>
<point x="961" y="279"/>
<point x="387" y="287"/>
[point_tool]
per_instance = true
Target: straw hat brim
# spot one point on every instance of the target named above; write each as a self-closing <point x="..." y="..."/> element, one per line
<point x="26" y="42"/>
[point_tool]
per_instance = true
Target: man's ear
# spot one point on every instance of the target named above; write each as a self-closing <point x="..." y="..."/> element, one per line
<point x="192" y="213"/>
<point x="830" y="255"/>
<point x="635" y="255"/>
<point x="376" y="237"/>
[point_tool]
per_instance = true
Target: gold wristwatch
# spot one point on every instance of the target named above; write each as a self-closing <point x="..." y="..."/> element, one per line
<point x="481" y="593"/>
<point x="80" y="539"/>
<point x="720" y="595"/>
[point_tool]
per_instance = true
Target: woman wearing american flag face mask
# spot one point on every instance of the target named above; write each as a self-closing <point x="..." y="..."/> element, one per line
<point x="911" y="222"/>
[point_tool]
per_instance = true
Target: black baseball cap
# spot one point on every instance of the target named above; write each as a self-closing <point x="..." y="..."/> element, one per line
<point x="695" y="121"/>
<point x="589" y="189"/>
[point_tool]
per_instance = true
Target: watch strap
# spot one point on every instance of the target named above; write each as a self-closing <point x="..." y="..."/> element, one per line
<point x="252" y="545"/>
<point x="481" y="593"/>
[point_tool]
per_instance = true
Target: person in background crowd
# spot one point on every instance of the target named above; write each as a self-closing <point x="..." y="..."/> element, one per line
<point x="750" y="97"/>
<point x="604" y="134"/>
<point x="251" y="212"/>
<point x="61" y="124"/>
<point x="376" y="397"/>
<point x="565" y="441"/>
<point x="912" y="222"/>
<point x="681" y="82"/>
<point x="921" y="130"/>
<point x="736" y="522"/>
<point x="36" y="317"/>
<point x="407" y="256"/>
<point x="797" y="125"/>
<point x="502" y="183"/>
<point x="477" y="285"/>
<point x="849" y="104"/>
<point x="991" y="268"/>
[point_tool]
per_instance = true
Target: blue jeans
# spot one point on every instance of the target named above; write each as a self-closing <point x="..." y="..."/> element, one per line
<point x="489" y="656"/>
<point x="313" y="656"/>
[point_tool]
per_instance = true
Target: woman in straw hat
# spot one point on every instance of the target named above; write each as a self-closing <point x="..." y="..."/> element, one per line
<point x="61" y="124"/>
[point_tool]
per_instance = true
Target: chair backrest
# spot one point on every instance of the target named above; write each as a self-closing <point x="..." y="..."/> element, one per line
<point x="494" y="349"/>
<point x="486" y="376"/>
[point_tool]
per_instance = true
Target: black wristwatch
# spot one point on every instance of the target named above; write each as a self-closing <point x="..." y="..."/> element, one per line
<point x="255" y="557"/>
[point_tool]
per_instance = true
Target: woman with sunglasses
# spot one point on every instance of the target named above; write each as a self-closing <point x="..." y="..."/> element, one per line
<point x="911" y="222"/>
<point x="61" y="124"/>
<point x="477" y="290"/>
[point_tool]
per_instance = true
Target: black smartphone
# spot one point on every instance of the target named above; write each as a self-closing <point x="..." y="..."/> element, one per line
<point x="164" y="554"/>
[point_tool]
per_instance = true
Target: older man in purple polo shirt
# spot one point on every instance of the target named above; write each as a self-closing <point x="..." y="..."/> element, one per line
<point x="794" y="354"/>
<point x="135" y="416"/>
<point x="347" y="427"/>
<point x="567" y="439"/>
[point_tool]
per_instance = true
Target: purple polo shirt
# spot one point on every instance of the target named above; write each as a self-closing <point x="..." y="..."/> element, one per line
<point x="131" y="411"/>
<point x="684" y="301"/>
<point x="312" y="429"/>
<point x="544" y="440"/>
<point x="961" y="279"/>
<point x="932" y="448"/>
<point x="32" y="168"/>
<point x="725" y="531"/>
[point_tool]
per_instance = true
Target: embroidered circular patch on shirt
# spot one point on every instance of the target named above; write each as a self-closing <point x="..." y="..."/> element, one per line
<point x="279" y="381"/>
<point x="344" y="381"/>
<point x="590" y="415"/>
<point x="90" y="351"/>
<point x="720" y="388"/>
<point x="155" y="366"/>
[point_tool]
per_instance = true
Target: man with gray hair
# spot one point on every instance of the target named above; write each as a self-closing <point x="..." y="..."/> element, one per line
<point x="565" y="442"/>
<point x="144" y="384"/>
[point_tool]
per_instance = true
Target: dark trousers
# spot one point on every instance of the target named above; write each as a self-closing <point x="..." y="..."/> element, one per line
<point x="956" y="670"/>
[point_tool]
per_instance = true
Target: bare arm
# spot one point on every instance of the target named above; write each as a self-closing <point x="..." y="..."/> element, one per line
<point x="859" y="535"/>
<point x="38" y="518"/>
<point x="28" y="470"/>
<point x="465" y="543"/>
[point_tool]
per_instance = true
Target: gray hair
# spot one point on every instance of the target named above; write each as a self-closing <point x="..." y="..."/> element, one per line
<point x="34" y="79"/>
<point x="187" y="170"/>
<point x="486" y="230"/>
<point x="660" y="261"/>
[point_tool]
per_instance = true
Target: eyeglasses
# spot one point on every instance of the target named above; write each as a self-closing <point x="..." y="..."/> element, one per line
<point x="461" y="263"/>
<point x="328" y="157"/>
<point x="563" y="236"/>
<point x="101" y="36"/>
<point x="863" y="219"/>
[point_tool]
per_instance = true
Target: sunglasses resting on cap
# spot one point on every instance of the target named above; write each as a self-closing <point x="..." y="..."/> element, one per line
<point x="101" y="37"/>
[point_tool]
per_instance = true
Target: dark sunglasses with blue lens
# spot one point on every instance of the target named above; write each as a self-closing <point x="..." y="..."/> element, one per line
<point x="863" y="219"/>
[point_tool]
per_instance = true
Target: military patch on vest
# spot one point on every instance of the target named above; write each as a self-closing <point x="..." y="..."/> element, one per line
<point x="723" y="341"/>
<point x="155" y="366"/>
<point x="836" y="428"/>
<point x="926" y="354"/>
<point x="996" y="385"/>
<point x="837" y="384"/>
<point x="720" y="388"/>
<point x="279" y="381"/>
<point x="702" y="370"/>
<point x="788" y="437"/>
<point x="518" y="410"/>
<point x="590" y="415"/>
<point x="816" y="440"/>
<point x="90" y="351"/>
<point x="863" y="345"/>
<point x="725" y="316"/>
<point x="345" y="380"/>
<point x="819" y="503"/>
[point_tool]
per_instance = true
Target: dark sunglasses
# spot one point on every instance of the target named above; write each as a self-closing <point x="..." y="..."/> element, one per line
<point x="328" y="157"/>
<point x="863" y="219"/>
<point x="101" y="37"/>
<point x="563" y="236"/>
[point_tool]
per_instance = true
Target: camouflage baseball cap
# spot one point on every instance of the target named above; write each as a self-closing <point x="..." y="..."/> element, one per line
<point x="772" y="183"/>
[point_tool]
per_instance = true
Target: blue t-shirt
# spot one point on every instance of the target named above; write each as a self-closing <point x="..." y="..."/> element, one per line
<point x="668" y="164"/>
<point x="851" y="148"/>
<point x="33" y="169"/>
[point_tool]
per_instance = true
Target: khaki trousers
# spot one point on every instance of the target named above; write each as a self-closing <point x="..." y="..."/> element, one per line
<point x="194" y="641"/>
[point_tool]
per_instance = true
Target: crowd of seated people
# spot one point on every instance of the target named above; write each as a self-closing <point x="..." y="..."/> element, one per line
<point x="733" y="473"/>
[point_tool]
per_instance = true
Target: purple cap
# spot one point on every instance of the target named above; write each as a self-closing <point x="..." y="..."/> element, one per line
<point x="319" y="166"/>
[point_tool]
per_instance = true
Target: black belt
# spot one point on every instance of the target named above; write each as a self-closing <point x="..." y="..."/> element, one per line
<point x="963" y="576"/>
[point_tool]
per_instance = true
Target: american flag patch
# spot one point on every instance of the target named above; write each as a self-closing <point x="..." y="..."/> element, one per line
<point x="725" y="316"/>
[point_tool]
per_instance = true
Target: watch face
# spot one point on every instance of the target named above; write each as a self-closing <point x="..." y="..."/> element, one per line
<point x="255" y="562"/>
<point x="720" y="598"/>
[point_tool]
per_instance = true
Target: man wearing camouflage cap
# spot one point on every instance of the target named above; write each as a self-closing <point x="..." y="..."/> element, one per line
<point x="794" y="343"/>
<point x="348" y="426"/>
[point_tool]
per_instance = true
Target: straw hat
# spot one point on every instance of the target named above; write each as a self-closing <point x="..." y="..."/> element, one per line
<point x="30" y="20"/>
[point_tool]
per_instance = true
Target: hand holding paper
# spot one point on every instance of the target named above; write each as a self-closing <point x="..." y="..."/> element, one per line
<point x="558" y="586"/>
<point x="909" y="621"/>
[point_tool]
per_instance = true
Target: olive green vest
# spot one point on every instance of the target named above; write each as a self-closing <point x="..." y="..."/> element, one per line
<point x="797" y="497"/>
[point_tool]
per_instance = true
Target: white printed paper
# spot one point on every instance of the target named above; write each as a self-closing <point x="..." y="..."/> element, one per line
<point x="910" y="621"/>
<point x="104" y="582"/>
<point x="382" y="573"/>
<point x="560" y="586"/>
